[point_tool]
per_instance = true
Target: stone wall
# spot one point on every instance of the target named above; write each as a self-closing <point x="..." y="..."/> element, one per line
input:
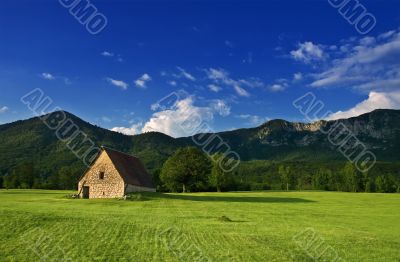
<point x="132" y="188"/>
<point x="111" y="186"/>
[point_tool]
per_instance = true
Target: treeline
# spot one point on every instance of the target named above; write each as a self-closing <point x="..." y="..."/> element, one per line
<point x="27" y="176"/>
<point x="190" y="170"/>
<point x="331" y="176"/>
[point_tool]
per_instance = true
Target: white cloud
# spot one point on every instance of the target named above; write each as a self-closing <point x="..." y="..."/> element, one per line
<point x="3" y="109"/>
<point x="132" y="130"/>
<point x="142" y="81"/>
<point x="308" y="52"/>
<point x="252" y="82"/>
<point x="253" y="120"/>
<point x="107" y="54"/>
<point x="221" y="107"/>
<point x="221" y="76"/>
<point x="214" y="88"/>
<point x="369" y="64"/>
<point x="184" y="118"/>
<point x="119" y="83"/>
<point x="173" y="83"/>
<point x="375" y="100"/>
<point x="240" y="91"/>
<point x="277" y="87"/>
<point x="185" y="74"/>
<point x="297" y="76"/>
<point x="387" y="34"/>
<point x="280" y="85"/>
<point x="47" y="76"/>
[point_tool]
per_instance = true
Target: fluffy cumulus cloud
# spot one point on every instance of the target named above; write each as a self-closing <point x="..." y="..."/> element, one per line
<point x="184" y="118"/>
<point x="375" y="100"/>
<point x="132" y="130"/>
<point x="141" y="82"/>
<point x="118" y="83"/>
<point x="3" y="109"/>
<point x="47" y="76"/>
<point x="308" y="52"/>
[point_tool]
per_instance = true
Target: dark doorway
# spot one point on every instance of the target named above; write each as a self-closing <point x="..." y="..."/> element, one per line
<point x="85" y="192"/>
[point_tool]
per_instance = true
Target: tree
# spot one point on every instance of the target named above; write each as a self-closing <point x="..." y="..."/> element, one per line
<point x="219" y="178"/>
<point x="322" y="179"/>
<point x="66" y="178"/>
<point x="187" y="169"/>
<point x="381" y="184"/>
<point x="351" y="177"/>
<point x="10" y="181"/>
<point x="285" y="175"/>
<point x="26" y="174"/>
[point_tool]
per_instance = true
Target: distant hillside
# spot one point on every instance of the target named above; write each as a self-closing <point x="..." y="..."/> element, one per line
<point x="30" y="140"/>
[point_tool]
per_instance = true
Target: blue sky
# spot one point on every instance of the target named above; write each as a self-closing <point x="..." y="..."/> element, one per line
<point x="234" y="63"/>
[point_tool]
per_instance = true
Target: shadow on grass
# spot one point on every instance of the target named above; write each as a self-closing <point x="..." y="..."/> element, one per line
<point x="227" y="199"/>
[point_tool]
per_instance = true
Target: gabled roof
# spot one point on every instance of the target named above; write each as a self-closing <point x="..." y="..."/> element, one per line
<point x="130" y="168"/>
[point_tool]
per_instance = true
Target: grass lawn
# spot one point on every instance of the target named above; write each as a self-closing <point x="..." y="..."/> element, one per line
<point x="264" y="226"/>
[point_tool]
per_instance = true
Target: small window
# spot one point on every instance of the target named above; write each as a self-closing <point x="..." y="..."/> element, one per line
<point x="101" y="175"/>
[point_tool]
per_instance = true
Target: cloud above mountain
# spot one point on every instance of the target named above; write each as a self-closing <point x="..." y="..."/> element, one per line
<point x="375" y="100"/>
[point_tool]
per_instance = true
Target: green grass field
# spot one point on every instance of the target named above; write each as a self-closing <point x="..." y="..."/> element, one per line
<point x="265" y="226"/>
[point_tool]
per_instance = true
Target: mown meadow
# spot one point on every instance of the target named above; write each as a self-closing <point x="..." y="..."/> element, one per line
<point x="239" y="226"/>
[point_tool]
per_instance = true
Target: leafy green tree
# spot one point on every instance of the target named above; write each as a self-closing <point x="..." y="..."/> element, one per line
<point x="26" y="174"/>
<point x="286" y="176"/>
<point x="219" y="178"/>
<point x="66" y="178"/>
<point x="304" y="181"/>
<point x="187" y="169"/>
<point x="10" y="180"/>
<point x="322" y="179"/>
<point x="351" y="177"/>
<point x="380" y="183"/>
<point x="370" y="185"/>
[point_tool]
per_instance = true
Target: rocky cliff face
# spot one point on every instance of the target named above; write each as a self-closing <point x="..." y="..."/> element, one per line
<point x="382" y="125"/>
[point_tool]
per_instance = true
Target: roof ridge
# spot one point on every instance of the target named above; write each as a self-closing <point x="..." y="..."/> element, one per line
<point x="112" y="149"/>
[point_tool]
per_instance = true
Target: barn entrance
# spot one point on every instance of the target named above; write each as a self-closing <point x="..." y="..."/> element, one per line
<point x="85" y="192"/>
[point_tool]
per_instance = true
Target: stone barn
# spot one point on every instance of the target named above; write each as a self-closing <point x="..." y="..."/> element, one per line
<point x="114" y="174"/>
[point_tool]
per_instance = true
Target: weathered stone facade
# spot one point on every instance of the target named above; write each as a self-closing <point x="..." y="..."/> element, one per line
<point x="132" y="188"/>
<point x="111" y="186"/>
<point x="113" y="175"/>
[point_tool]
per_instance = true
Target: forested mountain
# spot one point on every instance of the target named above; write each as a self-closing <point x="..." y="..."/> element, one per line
<point x="31" y="141"/>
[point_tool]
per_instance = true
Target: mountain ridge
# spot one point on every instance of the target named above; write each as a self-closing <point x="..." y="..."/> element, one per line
<point x="280" y="140"/>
